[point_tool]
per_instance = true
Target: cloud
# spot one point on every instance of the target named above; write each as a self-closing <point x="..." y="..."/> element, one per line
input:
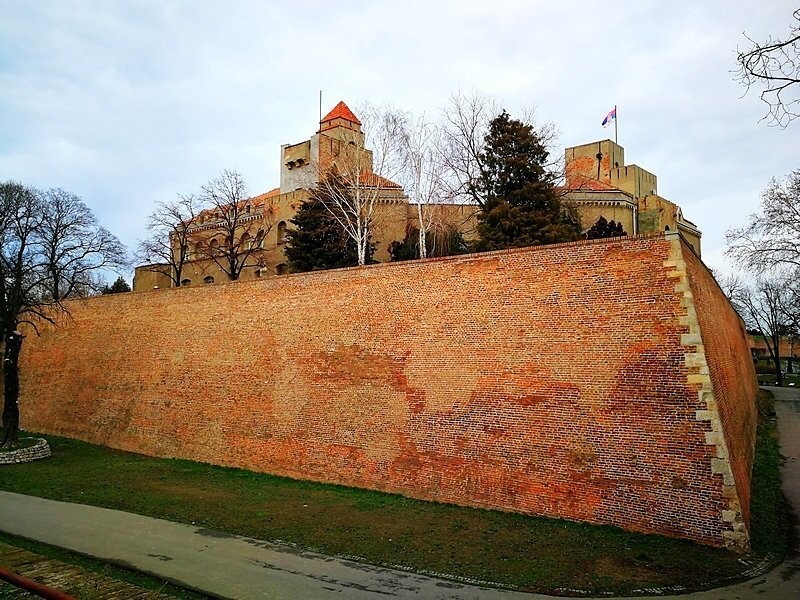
<point x="129" y="103"/>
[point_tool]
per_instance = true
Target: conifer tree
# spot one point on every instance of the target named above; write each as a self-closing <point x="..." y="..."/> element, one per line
<point x="118" y="287"/>
<point x="605" y="229"/>
<point x="318" y="241"/>
<point x="522" y="207"/>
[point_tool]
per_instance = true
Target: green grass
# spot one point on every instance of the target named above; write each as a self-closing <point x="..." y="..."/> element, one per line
<point x="141" y="580"/>
<point x="534" y="554"/>
<point x="770" y="514"/>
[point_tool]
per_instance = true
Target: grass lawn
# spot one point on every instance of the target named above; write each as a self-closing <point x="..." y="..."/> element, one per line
<point x="534" y="554"/>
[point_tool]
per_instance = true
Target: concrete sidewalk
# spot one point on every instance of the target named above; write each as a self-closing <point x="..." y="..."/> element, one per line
<point x="213" y="562"/>
<point x="237" y="567"/>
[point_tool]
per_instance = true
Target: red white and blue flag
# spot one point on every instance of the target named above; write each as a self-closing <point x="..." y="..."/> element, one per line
<point x="611" y="116"/>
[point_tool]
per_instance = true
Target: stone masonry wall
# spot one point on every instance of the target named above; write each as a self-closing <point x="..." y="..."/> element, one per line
<point x="549" y="381"/>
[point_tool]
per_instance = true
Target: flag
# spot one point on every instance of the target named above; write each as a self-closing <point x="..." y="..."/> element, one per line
<point x="611" y="116"/>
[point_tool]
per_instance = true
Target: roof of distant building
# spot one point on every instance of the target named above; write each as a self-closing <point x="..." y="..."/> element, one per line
<point x="375" y="180"/>
<point x="576" y="183"/>
<point x="341" y="111"/>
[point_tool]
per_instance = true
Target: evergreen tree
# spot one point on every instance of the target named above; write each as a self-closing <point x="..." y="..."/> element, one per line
<point x="605" y="229"/>
<point x="318" y="241"/>
<point x="408" y="249"/>
<point x="521" y="206"/>
<point x="118" y="287"/>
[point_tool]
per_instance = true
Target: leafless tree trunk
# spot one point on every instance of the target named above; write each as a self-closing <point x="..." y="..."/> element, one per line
<point x="772" y="237"/>
<point x="423" y="172"/>
<point x="237" y="228"/>
<point x="775" y="66"/>
<point x="168" y="243"/>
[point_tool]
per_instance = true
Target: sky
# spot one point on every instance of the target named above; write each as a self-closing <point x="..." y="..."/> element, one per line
<point x="129" y="103"/>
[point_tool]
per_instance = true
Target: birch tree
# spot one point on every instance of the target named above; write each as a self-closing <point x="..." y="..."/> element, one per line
<point x="423" y="172"/>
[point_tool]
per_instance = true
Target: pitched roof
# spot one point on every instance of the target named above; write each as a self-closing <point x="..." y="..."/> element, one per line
<point x="576" y="183"/>
<point x="375" y="180"/>
<point x="341" y="111"/>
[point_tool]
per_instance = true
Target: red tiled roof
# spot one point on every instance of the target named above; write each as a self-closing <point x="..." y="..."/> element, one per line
<point x="341" y="111"/>
<point x="590" y="184"/>
<point x="375" y="180"/>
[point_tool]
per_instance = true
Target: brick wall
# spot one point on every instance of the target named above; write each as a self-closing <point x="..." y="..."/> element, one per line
<point x="731" y="371"/>
<point x="548" y="381"/>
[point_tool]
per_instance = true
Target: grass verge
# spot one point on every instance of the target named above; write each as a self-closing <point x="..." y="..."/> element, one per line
<point x="529" y="553"/>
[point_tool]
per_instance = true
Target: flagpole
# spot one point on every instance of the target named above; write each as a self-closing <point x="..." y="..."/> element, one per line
<point x="616" y="118"/>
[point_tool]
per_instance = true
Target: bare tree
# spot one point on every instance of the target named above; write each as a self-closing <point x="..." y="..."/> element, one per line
<point x="774" y="65"/>
<point x="234" y="237"/>
<point x="170" y="226"/>
<point x="42" y="261"/>
<point x="74" y="245"/>
<point x="767" y="306"/>
<point x="772" y="237"/>
<point x="465" y="125"/>
<point x="360" y="178"/>
<point x="423" y="169"/>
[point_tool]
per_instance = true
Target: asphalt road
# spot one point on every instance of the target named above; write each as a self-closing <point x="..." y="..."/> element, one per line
<point x="237" y="567"/>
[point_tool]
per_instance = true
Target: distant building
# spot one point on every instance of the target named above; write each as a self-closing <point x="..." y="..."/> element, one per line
<point x="600" y="184"/>
<point x="597" y="181"/>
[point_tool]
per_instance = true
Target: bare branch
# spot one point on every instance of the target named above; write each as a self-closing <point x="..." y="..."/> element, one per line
<point x="771" y="239"/>
<point x="774" y="66"/>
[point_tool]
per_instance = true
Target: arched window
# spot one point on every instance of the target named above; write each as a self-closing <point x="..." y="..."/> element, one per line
<point x="281" y="232"/>
<point x="186" y="282"/>
<point x="280" y="269"/>
<point x="246" y="241"/>
<point x="260" y="238"/>
<point x="257" y="272"/>
<point x="214" y="245"/>
<point x="666" y="227"/>
<point x="208" y="279"/>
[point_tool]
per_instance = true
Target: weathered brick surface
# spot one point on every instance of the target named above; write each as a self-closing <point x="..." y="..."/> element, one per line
<point x="731" y="371"/>
<point x="548" y="381"/>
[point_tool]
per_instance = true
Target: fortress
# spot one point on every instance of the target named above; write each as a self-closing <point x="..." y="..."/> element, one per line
<point x="597" y="182"/>
<point x="606" y="381"/>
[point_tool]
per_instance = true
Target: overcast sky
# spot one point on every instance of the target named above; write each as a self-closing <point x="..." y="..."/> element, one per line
<point x="128" y="103"/>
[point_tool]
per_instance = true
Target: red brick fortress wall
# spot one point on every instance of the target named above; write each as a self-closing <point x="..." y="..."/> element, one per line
<point x="731" y="372"/>
<point x="550" y="381"/>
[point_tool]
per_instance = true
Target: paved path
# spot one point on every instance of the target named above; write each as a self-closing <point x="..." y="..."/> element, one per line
<point x="238" y="567"/>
